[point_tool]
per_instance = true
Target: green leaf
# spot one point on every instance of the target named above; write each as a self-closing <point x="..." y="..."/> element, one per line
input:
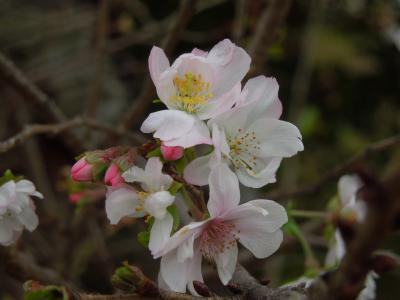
<point x="154" y="153"/>
<point x="180" y="165"/>
<point x="157" y="101"/>
<point x="143" y="238"/>
<point x="50" y="292"/>
<point x="8" y="176"/>
<point x="175" y="187"/>
<point x="95" y="156"/>
<point x="99" y="170"/>
<point x="175" y="215"/>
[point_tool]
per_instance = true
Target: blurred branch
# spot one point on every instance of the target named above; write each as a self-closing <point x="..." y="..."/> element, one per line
<point x="142" y="102"/>
<point x="336" y="172"/>
<point x="238" y="24"/>
<point x="100" y="52"/>
<point x="31" y="93"/>
<point x="31" y="130"/>
<point x="266" y="33"/>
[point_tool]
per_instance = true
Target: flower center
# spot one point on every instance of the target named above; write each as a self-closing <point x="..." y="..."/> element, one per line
<point x="217" y="237"/>
<point x="191" y="92"/>
<point x="243" y="148"/>
<point x="142" y="198"/>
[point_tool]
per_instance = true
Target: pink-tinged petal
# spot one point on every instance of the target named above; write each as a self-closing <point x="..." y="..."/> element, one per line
<point x="224" y="190"/>
<point x="199" y="52"/>
<point x="266" y="174"/>
<point x="277" y="138"/>
<point x="221" y="104"/>
<point x="160" y="232"/>
<point x="258" y="216"/>
<point x="198" y="170"/>
<point x="122" y="202"/>
<point x="232" y="64"/>
<point x="262" y="94"/>
<point x="171" y="153"/>
<point x="156" y="204"/>
<point x="226" y="263"/>
<point x="348" y="186"/>
<point x="261" y="244"/>
<point x="189" y="63"/>
<point x="168" y="124"/>
<point x="173" y="272"/>
<point x="199" y="134"/>
<point x="158" y="63"/>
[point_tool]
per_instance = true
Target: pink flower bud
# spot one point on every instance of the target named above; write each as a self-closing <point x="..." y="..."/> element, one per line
<point x="76" y="197"/>
<point x="113" y="176"/>
<point x="82" y="170"/>
<point x="171" y="153"/>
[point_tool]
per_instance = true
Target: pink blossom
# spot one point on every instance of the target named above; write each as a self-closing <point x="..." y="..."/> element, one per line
<point x="255" y="224"/>
<point x="171" y="153"/>
<point x="113" y="176"/>
<point x="82" y="170"/>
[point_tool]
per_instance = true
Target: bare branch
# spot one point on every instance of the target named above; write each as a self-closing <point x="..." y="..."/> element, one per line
<point x="36" y="129"/>
<point x="266" y="32"/>
<point x="337" y="171"/>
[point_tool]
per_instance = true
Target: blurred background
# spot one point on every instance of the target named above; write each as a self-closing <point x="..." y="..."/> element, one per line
<point x="337" y="63"/>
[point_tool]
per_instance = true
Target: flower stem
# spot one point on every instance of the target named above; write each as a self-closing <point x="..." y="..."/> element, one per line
<point x="308" y="214"/>
<point x="196" y="213"/>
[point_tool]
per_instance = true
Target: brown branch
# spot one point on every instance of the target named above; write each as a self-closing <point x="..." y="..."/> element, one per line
<point x="266" y="33"/>
<point x="142" y="102"/>
<point x="30" y="93"/>
<point x="336" y="172"/>
<point x="36" y="129"/>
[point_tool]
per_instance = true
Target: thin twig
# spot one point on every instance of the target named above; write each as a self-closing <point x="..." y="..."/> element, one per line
<point x="31" y="130"/>
<point x="336" y="172"/>
<point x="266" y="33"/>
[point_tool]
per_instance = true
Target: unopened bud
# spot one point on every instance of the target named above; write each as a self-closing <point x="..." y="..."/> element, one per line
<point x="82" y="170"/>
<point x="113" y="176"/>
<point x="171" y="153"/>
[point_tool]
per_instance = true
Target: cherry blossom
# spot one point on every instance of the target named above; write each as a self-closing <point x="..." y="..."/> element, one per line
<point x="250" y="138"/>
<point x="152" y="200"/>
<point x="255" y="224"/>
<point x="17" y="210"/>
<point x="196" y="87"/>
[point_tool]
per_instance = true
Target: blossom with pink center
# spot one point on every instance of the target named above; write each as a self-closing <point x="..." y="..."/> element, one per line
<point x="82" y="170"/>
<point x="196" y="87"/>
<point x="249" y="138"/>
<point x="255" y="224"/>
<point x="171" y="153"/>
<point x="113" y="176"/>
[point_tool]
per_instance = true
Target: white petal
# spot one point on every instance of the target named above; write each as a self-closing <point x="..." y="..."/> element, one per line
<point x="156" y="204"/>
<point x="194" y="272"/>
<point x="219" y="140"/>
<point x="134" y="174"/>
<point x="261" y="178"/>
<point x="28" y="217"/>
<point x="160" y="233"/>
<point x="198" y="170"/>
<point x="185" y="250"/>
<point x="224" y="190"/>
<point x="369" y="291"/>
<point x="232" y="63"/>
<point x="258" y="216"/>
<point x="168" y="124"/>
<point x="199" y="52"/>
<point x="261" y="244"/>
<point x="173" y="272"/>
<point x="278" y="138"/>
<point x="8" y="192"/>
<point x="26" y="186"/>
<point x="337" y="250"/>
<point x="198" y="134"/>
<point x="121" y="203"/>
<point x="226" y="263"/>
<point x="155" y="179"/>
<point x="348" y="185"/>
<point x="158" y="63"/>
<point x="261" y="93"/>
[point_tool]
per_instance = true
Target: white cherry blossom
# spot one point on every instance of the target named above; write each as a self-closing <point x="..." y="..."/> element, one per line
<point x="196" y="87"/>
<point x="17" y="210"/>
<point x="250" y="138"/>
<point x="255" y="224"/>
<point x="153" y="200"/>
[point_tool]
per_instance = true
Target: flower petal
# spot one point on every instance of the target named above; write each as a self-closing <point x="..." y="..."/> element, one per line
<point x="173" y="272"/>
<point x="260" y="178"/>
<point x="232" y="64"/>
<point x="158" y="63"/>
<point x="226" y="263"/>
<point x="28" y="217"/>
<point x="198" y="170"/>
<point x="198" y="134"/>
<point x="348" y="185"/>
<point x="160" y="232"/>
<point x="261" y="244"/>
<point x="194" y="272"/>
<point x="122" y="202"/>
<point x="168" y="124"/>
<point x="26" y="186"/>
<point x="224" y="190"/>
<point x="155" y="179"/>
<point x="156" y="204"/>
